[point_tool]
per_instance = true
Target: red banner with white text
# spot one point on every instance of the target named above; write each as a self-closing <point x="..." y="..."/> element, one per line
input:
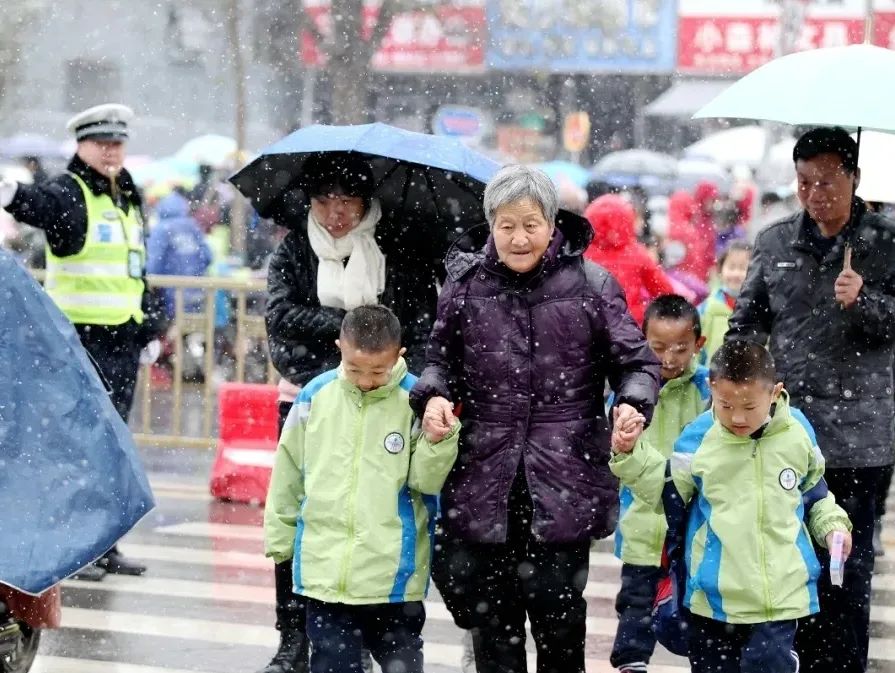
<point x="448" y="37"/>
<point x="746" y="33"/>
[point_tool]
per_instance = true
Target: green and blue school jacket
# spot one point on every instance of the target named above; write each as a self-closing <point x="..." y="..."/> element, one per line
<point x="752" y="503"/>
<point x="714" y="315"/>
<point x="353" y="494"/>
<point x="640" y="535"/>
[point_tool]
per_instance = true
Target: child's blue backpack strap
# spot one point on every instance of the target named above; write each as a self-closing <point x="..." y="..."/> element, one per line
<point x="669" y="616"/>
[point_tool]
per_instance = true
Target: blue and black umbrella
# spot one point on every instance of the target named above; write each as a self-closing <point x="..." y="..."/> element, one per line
<point x="429" y="184"/>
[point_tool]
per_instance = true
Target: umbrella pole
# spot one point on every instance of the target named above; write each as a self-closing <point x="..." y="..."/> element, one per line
<point x="852" y="219"/>
<point x="407" y="178"/>
<point x="431" y="184"/>
<point x="387" y="175"/>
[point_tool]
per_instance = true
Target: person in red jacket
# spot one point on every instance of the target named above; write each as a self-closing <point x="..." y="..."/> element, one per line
<point x="706" y="196"/>
<point x="616" y="249"/>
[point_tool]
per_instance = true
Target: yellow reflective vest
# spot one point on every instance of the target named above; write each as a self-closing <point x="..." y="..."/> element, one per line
<point x="103" y="283"/>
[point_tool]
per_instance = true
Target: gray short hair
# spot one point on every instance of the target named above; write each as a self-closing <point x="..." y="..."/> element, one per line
<point x="517" y="182"/>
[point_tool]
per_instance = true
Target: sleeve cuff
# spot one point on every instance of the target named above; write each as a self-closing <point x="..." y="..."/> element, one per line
<point x="821" y="532"/>
<point x="455" y="428"/>
<point x="8" y="191"/>
<point x="628" y="466"/>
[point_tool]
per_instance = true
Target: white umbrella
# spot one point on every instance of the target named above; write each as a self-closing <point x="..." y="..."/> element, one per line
<point x="691" y="171"/>
<point x="212" y="150"/>
<point x="875" y="162"/>
<point x="738" y="146"/>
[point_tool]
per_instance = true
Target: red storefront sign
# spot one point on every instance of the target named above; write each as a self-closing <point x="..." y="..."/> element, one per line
<point x="448" y="38"/>
<point x="735" y="45"/>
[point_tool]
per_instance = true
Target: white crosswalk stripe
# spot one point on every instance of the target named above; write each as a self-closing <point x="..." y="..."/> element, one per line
<point x="209" y="590"/>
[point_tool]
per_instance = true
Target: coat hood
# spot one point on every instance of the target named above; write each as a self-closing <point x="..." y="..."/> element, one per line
<point x="681" y="208"/>
<point x="613" y="220"/>
<point x="469" y="249"/>
<point x="173" y="206"/>
<point x="705" y="191"/>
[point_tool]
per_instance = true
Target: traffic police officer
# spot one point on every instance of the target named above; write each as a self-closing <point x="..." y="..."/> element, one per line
<point x="92" y="217"/>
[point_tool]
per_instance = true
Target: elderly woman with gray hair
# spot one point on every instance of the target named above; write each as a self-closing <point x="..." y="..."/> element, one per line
<point x="527" y="334"/>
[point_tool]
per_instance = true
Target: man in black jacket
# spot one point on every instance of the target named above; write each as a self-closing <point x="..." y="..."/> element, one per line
<point x="92" y="217"/>
<point x="821" y="290"/>
<point x="306" y="304"/>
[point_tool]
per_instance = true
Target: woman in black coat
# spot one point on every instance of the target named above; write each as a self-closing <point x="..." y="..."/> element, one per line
<point x="340" y="253"/>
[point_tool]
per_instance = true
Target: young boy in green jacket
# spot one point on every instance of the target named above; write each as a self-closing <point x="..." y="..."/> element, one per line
<point x="752" y="475"/>
<point x="672" y="328"/>
<point x="353" y="500"/>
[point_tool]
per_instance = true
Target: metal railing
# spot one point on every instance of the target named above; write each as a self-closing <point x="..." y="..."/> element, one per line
<point x="150" y="426"/>
<point x="249" y="327"/>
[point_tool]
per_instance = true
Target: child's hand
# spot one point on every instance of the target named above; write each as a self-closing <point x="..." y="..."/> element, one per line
<point x="438" y="419"/>
<point x="439" y="435"/>
<point x="627" y="426"/>
<point x="846" y="543"/>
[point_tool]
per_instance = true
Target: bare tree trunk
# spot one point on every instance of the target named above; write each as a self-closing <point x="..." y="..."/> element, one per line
<point x="16" y="16"/>
<point x="348" y="54"/>
<point x="349" y="63"/>
<point x="350" y="95"/>
<point x="277" y="40"/>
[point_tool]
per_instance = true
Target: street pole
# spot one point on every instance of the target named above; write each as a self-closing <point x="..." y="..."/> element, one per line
<point x="309" y="78"/>
<point x="238" y="207"/>
<point x="868" y="21"/>
<point x="791" y="22"/>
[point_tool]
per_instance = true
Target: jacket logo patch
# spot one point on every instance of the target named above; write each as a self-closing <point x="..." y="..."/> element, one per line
<point x="786" y="265"/>
<point x="394" y="442"/>
<point x="788" y="479"/>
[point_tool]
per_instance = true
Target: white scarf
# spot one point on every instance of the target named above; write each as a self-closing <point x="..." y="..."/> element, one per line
<point x="362" y="279"/>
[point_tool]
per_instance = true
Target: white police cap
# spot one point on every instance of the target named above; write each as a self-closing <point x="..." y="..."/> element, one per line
<point x="102" y="122"/>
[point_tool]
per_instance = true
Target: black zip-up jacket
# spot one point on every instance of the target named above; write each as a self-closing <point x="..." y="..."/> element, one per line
<point x="836" y="363"/>
<point x="57" y="207"/>
<point x="301" y="333"/>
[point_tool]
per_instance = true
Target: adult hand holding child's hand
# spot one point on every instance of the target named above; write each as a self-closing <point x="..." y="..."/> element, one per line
<point x="438" y="419"/>
<point x="628" y="424"/>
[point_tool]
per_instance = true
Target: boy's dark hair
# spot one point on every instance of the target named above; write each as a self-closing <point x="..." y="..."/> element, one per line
<point x="672" y="307"/>
<point x="741" y="361"/>
<point x="826" y="140"/>
<point x="734" y="246"/>
<point x="343" y="172"/>
<point x="371" y="328"/>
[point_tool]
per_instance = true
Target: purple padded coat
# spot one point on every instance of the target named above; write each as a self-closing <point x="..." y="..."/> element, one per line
<point x="527" y="356"/>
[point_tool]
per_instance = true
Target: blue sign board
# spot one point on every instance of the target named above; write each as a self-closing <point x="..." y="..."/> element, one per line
<point x="610" y="36"/>
<point x="459" y="121"/>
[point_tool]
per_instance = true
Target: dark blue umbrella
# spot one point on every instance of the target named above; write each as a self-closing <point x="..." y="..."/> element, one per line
<point x="71" y="483"/>
<point x="428" y="183"/>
